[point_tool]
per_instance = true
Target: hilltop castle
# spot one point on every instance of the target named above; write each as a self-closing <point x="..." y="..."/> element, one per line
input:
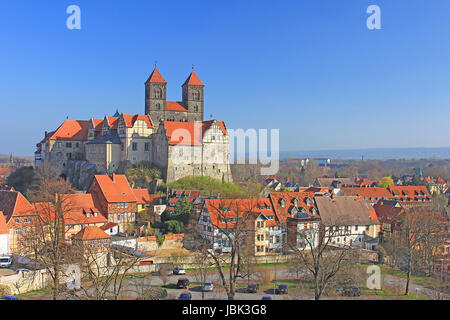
<point x="171" y="134"/>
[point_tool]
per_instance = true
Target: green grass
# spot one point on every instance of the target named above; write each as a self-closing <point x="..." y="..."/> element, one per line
<point x="34" y="293"/>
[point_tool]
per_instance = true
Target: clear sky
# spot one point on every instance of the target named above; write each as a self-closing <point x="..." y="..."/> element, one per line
<point x="308" y="67"/>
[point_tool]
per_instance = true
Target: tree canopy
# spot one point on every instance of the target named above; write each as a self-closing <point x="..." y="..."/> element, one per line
<point x="208" y="185"/>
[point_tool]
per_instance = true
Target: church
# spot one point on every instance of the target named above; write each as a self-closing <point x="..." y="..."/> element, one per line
<point x="173" y="135"/>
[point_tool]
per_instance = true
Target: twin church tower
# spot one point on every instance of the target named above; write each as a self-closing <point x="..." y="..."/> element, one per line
<point x="191" y="107"/>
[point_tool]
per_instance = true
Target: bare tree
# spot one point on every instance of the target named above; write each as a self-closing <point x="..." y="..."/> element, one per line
<point x="46" y="237"/>
<point x="233" y="226"/>
<point x="321" y="259"/>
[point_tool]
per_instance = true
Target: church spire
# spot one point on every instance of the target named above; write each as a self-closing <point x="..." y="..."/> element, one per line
<point x="193" y="79"/>
<point x="156" y="77"/>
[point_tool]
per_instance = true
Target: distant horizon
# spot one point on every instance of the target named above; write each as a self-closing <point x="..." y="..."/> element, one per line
<point x="318" y="153"/>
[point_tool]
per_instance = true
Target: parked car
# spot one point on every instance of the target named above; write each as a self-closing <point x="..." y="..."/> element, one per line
<point x="5" y="262"/>
<point x="266" y="298"/>
<point x="340" y="291"/>
<point x="185" y="296"/>
<point x="253" y="288"/>
<point x="22" y="270"/>
<point x="9" y="298"/>
<point x="208" y="287"/>
<point x="183" y="283"/>
<point x="282" y="289"/>
<point x="354" y="291"/>
<point x="179" y="270"/>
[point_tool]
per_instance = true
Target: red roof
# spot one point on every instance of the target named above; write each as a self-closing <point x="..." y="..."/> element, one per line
<point x="108" y="226"/>
<point x="115" y="187"/>
<point x="371" y="194"/>
<point x="387" y="213"/>
<point x="156" y="77"/>
<point x="142" y="196"/>
<point x="91" y="233"/>
<point x="193" y="80"/>
<point x="97" y="124"/>
<point x="113" y="122"/>
<point x="3" y="226"/>
<point x="207" y="125"/>
<point x="410" y="193"/>
<point x="238" y="208"/>
<point x="175" y="106"/>
<point x="131" y="119"/>
<point x="183" y="133"/>
<point x="74" y="130"/>
<point x="13" y="203"/>
<point x="284" y="212"/>
<point x="81" y="209"/>
<point x="189" y="133"/>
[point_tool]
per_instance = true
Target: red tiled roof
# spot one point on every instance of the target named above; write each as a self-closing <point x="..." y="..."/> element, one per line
<point x="189" y="133"/>
<point x="72" y="130"/>
<point x="183" y="133"/>
<point x="3" y="226"/>
<point x="238" y="208"/>
<point x="142" y="195"/>
<point x="283" y="213"/>
<point x="408" y="193"/>
<point x="370" y="194"/>
<point x="193" y="80"/>
<point x="387" y="213"/>
<point x="13" y="203"/>
<point x="113" y="122"/>
<point x="156" y="77"/>
<point x="91" y="233"/>
<point x="81" y="209"/>
<point x="97" y="124"/>
<point x="130" y="119"/>
<point x="115" y="187"/>
<point x="207" y="125"/>
<point x="108" y="226"/>
<point x="175" y="106"/>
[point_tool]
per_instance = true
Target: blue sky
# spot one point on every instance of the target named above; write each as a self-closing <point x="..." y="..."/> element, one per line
<point x="310" y="68"/>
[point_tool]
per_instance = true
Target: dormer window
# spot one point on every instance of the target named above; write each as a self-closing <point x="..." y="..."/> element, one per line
<point x="295" y="201"/>
<point x="283" y="203"/>
<point x="294" y="211"/>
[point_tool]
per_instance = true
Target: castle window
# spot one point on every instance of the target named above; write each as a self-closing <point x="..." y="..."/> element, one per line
<point x="146" y="147"/>
<point x="195" y="109"/>
<point x="134" y="146"/>
<point x="68" y="145"/>
<point x="158" y="93"/>
<point x="196" y="96"/>
<point x="158" y="106"/>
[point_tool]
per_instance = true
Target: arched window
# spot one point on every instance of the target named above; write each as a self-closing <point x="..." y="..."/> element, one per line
<point x="158" y="106"/>
<point x="195" y="109"/>
<point x="158" y="93"/>
<point x="196" y="96"/>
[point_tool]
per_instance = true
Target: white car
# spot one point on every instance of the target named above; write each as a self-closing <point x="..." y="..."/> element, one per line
<point x="179" y="270"/>
<point x="5" y="262"/>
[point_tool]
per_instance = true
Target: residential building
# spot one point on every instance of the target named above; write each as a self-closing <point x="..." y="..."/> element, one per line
<point x="20" y="217"/>
<point x="389" y="213"/>
<point x="298" y="217"/>
<point x="371" y="195"/>
<point x="115" y="199"/>
<point x="411" y="196"/>
<point x="348" y="220"/>
<point x="4" y="236"/>
<point x="255" y="218"/>
<point x="92" y="239"/>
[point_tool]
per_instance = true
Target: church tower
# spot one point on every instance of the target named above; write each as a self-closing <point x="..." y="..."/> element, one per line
<point x="193" y="97"/>
<point x="155" y="96"/>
